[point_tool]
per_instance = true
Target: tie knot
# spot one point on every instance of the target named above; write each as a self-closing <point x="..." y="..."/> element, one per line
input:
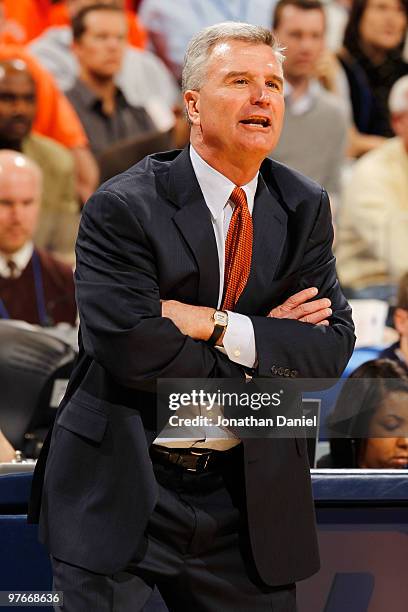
<point x="238" y="196"/>
<point x="12" y="266"/>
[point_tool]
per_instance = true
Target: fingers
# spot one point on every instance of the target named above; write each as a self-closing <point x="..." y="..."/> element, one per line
<point x="299" y="298"/>
<point x="318" y="317"/>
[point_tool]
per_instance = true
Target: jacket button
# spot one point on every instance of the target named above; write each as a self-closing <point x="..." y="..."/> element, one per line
<point x="286" y="372"/>
<point x="274" y="369"/>
<point x="294" y="373"/>
<point x="280" y="371"/>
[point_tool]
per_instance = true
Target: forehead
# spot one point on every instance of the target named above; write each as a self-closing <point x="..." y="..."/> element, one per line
<point x="13" y="81"/>
<point x="106" y="20"/>
<point x="391" y="3"/>
<point x="295" y="17"/>
<point x="240" y="56"/>
<point x="395" y="402"/>
<point x="19" y="183"/>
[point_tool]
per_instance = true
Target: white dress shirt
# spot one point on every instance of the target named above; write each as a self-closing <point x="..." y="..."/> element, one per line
<point x="239" y="338"/>
<point x="20" y="259"/>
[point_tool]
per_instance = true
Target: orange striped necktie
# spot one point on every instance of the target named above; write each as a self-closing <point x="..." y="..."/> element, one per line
<point x="238" y="250"/>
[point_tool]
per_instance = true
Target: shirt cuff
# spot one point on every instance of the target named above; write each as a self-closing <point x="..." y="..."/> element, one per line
<point x="239" y="340"/>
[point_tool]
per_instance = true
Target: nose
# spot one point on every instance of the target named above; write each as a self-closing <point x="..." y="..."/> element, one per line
<point x="20" y="105"/>
<point x="403" y="442"/>
<point x="260" y="96"/>
<point x="16" y="212"/>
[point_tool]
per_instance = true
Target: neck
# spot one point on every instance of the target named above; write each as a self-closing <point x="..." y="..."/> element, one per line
<point x="299" y="85"/>
<point x="103" y="87"/>
<point x="374" y="54"/>
<point x="15" y="145"/>
<point x="239" y="171"/>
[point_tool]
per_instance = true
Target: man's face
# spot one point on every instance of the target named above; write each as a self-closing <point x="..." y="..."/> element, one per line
<point x="19" y="208"/>
<point x="101" y="47"/>
<point x="302" y="34"/>
<point x="383" y="24"/>
<point x="238" y="112"/>
<point x="17" y="105"/>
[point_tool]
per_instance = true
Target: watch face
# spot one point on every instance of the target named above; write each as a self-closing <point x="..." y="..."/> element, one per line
<point x="220" y="318"/>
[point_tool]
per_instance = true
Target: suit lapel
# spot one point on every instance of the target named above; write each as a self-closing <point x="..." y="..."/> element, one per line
<point x="193" y="220"/>
<point x="270" y="226"/>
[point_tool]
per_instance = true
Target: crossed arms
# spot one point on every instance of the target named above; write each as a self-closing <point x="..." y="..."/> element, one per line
<point x="125" y="330"/>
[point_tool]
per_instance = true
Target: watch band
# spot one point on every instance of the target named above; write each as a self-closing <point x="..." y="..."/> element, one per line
<point x="218" y="328"/>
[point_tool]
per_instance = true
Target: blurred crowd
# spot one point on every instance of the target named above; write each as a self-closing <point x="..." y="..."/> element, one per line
<point x="88" y="88"/>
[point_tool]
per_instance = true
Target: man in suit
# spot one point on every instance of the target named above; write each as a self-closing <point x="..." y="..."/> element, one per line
<point x="34" y="286"/>
<point x="180" y="260"/>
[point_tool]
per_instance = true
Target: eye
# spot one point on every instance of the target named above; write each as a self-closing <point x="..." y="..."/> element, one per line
<point x="391" y="423"/>
<point x="241" y="81"/>
<point x="273" y="85"/>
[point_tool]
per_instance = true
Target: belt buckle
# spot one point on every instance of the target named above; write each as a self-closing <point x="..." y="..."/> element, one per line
<point x="200" y="466"/>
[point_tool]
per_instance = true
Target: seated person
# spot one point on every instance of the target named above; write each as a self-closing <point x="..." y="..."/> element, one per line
<point x="399" y="350"/>
<point x="34" y="287"/>
<point x="56" y="119"/>
<point x="99" y="34"/>
<point x="369" y="425"/>
<point x="7" y="452"/>
<point x="59" y="216"/>
<point x="143" y="78"/>
<point x="372" y="223"/>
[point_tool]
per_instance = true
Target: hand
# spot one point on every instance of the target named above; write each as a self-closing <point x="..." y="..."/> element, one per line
<point x="193" y="321"/>
<point x="299" y="307"/>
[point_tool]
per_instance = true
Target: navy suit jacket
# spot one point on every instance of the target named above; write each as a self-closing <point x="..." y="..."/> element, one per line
<point x="147" y="235"/>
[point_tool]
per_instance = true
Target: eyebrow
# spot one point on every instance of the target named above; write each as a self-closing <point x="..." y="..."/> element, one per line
<point x="238" y="73"/>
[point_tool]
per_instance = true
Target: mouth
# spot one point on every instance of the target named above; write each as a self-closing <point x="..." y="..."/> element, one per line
<point x="257" y="121"/>
<point x="400" y="461"/>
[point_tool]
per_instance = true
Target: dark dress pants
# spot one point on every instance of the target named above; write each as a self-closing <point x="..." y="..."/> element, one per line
<point x="196" y="551"/>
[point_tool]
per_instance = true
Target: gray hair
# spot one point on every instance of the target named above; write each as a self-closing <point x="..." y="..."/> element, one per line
<point x="201" y="45"/>
<point x="398" y="99"/>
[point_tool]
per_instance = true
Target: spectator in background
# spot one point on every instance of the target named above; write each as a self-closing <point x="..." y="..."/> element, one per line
<point x="372" y="60"/>
<point x="99" y="33"/>
<point x="60" y="212"/>
<point x="34" y="287"/>
<point x="56" y="119"/>
<point x="143" y="78"/>
<point x="399" y="350"/>
<point x="373" y="220"/>
<point x="369" y="425"/>
<point x="314" y="134"/>
<point x="60" y="15"/>
<point x="171" y="25"/>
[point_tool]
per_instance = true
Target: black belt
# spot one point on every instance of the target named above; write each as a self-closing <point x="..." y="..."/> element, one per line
<point x="190" y="459"/>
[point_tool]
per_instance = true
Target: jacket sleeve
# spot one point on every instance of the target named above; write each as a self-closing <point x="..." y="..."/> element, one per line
<point x="292" y="348"/>
<point x="119" y="303"/>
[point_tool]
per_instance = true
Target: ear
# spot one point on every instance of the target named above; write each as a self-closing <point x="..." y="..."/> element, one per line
<point x="401" y="321"/>
<point x="396" y="123"/>
<point x="192" y="102"/>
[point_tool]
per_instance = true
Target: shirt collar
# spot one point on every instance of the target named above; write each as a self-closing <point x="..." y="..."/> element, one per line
<point x="20" y="258"/>
<point x="90" y="99"/>
<point x="217" y="188"/>
<point x="303" y="104"/>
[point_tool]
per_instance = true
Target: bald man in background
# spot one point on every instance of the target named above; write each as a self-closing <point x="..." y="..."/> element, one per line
<point x="34" y="287"/>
